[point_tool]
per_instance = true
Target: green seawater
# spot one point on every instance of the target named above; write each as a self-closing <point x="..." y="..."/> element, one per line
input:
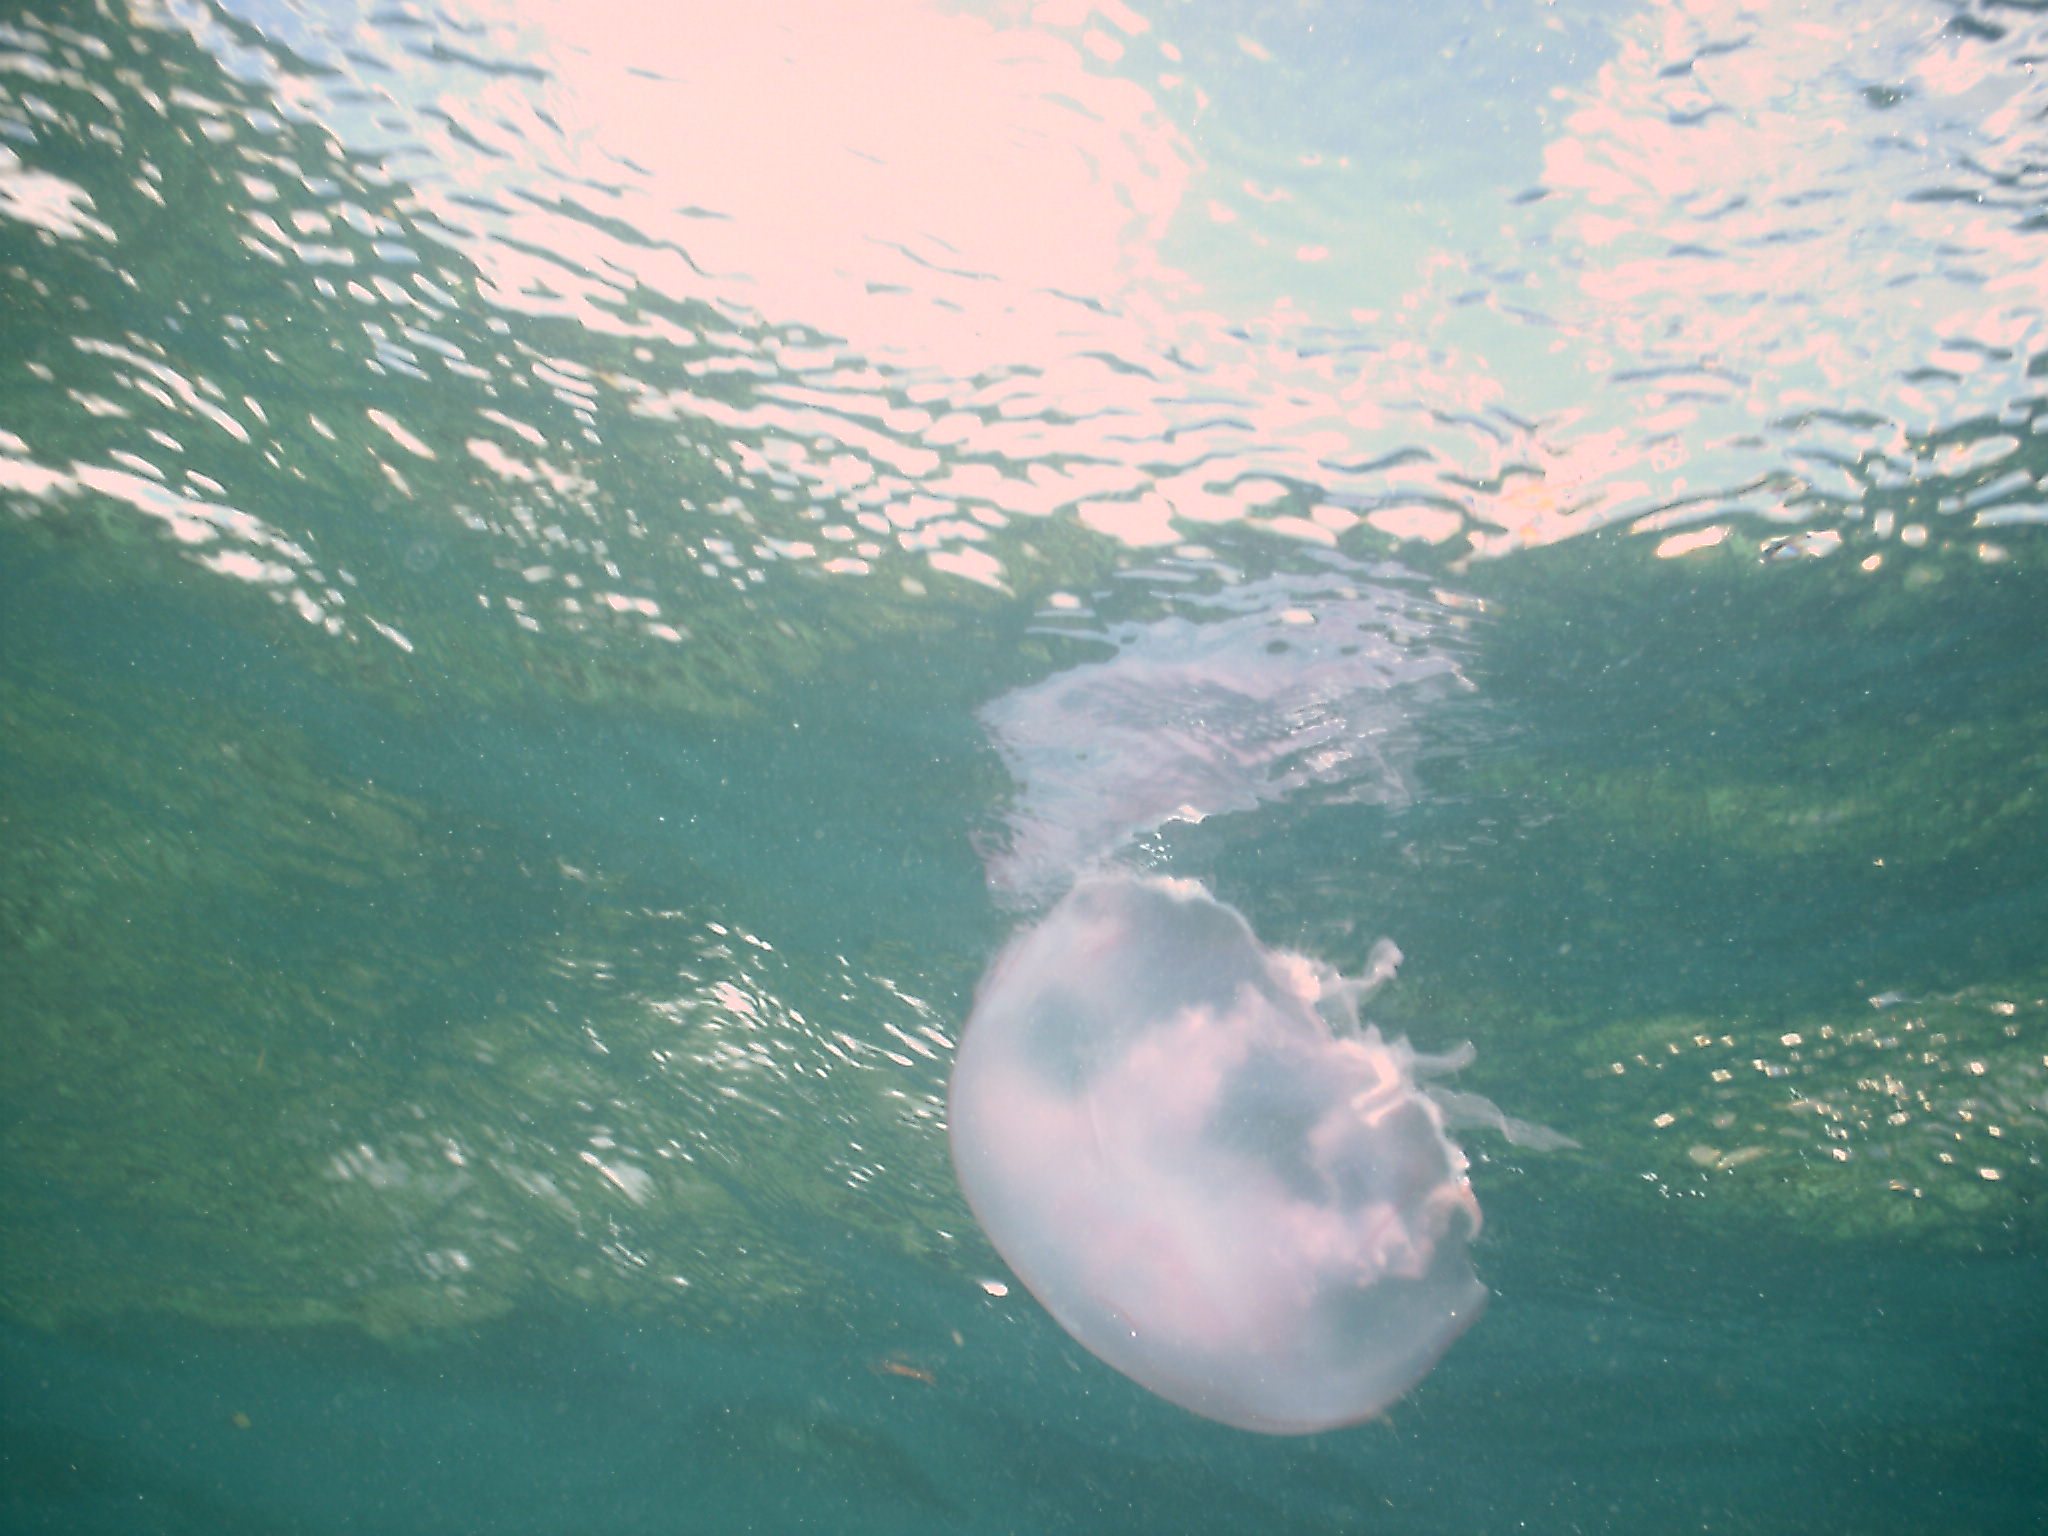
<point x="496" y="805"/>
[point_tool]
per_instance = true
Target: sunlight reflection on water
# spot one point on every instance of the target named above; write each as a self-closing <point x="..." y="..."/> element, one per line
<point x="941" y="276"/>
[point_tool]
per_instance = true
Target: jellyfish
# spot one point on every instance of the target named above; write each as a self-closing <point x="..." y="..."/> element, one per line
<point x="1209" y="1170"/>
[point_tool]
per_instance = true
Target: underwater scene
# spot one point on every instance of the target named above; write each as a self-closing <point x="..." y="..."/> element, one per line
<point x="972" y="766"/>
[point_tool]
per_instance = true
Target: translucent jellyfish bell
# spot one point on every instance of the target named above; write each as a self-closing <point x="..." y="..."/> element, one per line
<point x="1249" y="1209"/>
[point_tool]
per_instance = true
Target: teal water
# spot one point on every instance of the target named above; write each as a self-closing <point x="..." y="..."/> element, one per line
<point x="566" y="582"/>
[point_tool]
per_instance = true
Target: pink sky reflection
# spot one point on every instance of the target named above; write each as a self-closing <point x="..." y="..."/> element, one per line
<point x="971" y="214"/>
<point x="923" y="254"/>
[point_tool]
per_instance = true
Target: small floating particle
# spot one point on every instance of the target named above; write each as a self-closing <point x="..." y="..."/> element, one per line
<point x="1740" y="1156"/>
<point x="1811" y="544"/>
<point x="899" y="1365"/>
